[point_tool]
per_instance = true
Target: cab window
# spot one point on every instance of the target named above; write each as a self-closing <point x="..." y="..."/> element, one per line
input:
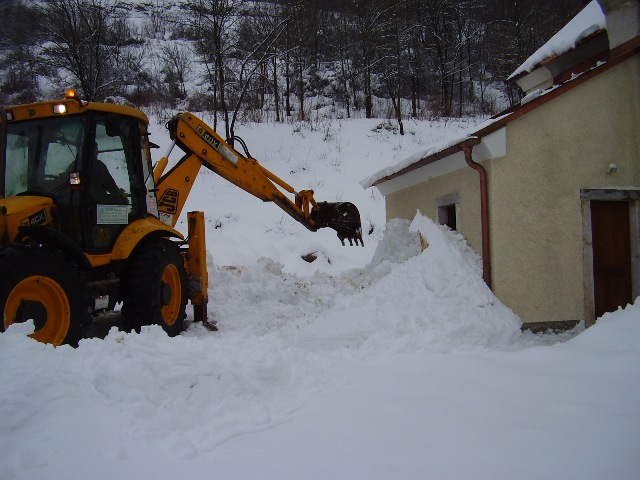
<point x="113" y="175"/>
<point x="41" y="153"/>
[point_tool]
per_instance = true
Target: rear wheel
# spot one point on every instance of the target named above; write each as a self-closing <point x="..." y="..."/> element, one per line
<point x="39" y="285"/>
<point x="154" y="287"/>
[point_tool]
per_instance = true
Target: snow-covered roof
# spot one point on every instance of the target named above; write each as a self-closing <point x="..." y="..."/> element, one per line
<point x="432" y="150"/>
<point x="417" y="156"/>
<point x="588" y="21"/>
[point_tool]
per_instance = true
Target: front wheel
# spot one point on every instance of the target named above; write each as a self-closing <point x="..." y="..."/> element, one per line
<point x="40" y="286"/>
<point x="154" y="287"/>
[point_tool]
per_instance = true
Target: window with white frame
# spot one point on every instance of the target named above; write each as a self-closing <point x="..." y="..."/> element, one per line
<point x="448" y="210"/>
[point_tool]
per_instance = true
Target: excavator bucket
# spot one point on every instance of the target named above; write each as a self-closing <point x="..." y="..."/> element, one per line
<point x="343" y="217"/>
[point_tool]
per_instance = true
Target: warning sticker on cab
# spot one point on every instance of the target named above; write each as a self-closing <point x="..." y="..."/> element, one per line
<point x="113" y="215"/>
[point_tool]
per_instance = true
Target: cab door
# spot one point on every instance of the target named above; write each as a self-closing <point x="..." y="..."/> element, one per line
<point x="114" y="183"/>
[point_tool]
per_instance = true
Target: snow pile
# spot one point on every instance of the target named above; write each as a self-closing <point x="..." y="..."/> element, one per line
<point x="613" y="332"/>
<point x="435" y="300"/>
<point x="426" y="267"/>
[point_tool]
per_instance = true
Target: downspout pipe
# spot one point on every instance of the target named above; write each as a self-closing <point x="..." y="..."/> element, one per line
<point x="467" y="148"/>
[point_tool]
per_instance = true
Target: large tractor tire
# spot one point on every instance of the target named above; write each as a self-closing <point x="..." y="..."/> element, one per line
<point x="154" y="287"/>
<point x="39" y="285"/>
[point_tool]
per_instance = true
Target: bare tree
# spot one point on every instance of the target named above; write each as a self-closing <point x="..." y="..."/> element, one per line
<point x="250" y="59"/>
<point x="213" y="23"/>
<point x="20" y="75"/>
<point x="157" y="19"/>
<point x="263" y="32"/>
<point x="394" y="65"/>
<point x="177" y="65"/>
<point x="86" y="38"/>
<point x="444" y="52"/>
<point x="370" y="19"/>
<point x="293" y="56"/>
<point x="343" y="44"/>
<point x="231" y="58"/>
<point x="19" y="65"/>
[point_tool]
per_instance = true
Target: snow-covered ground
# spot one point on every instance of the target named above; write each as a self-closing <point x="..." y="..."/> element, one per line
<point x="392" y="361"/>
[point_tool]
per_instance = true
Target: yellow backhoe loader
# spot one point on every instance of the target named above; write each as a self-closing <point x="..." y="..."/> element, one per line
<point x="87" y="222"/>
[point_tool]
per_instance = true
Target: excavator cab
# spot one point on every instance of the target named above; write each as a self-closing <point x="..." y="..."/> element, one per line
<point x="94" y="166"/>
<point x="78" y="220"/>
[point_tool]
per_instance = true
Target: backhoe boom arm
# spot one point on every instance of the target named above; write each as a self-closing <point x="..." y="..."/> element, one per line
<point x="204" y="147"/>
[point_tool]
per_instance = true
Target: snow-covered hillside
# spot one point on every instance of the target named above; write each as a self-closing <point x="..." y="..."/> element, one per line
<point x="392" y="361"/>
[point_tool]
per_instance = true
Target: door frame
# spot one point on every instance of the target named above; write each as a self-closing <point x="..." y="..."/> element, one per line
<point x="586" y="196"/>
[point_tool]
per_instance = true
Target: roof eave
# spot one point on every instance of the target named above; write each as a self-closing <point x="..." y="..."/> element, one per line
<point x="589" y="39"/>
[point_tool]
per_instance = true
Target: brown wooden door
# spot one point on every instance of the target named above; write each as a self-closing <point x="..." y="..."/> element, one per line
<point x="611" y="236"/>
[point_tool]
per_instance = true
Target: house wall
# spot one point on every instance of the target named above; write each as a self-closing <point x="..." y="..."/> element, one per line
<point x="424" y="197"/>
<point x="553" y="152"/>
<point x="536" y="218"/>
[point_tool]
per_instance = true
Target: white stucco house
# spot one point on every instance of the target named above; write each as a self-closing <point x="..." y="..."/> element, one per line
<point x="548" y="192"/>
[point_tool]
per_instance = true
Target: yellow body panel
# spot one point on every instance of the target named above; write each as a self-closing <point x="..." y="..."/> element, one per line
<point x="45" y="109"/>
<point x="196" y="259"/>
<point x="24" y="211"/>
<point x="134" y="233"/>
<point x="174" y="188"/>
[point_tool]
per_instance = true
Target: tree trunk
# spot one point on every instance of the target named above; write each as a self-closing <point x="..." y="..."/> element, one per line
<point x="276" y="100"/>
<point x="368" y="98"/>
<point x="287" y="90"/>
<point x="301" y="115"/>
